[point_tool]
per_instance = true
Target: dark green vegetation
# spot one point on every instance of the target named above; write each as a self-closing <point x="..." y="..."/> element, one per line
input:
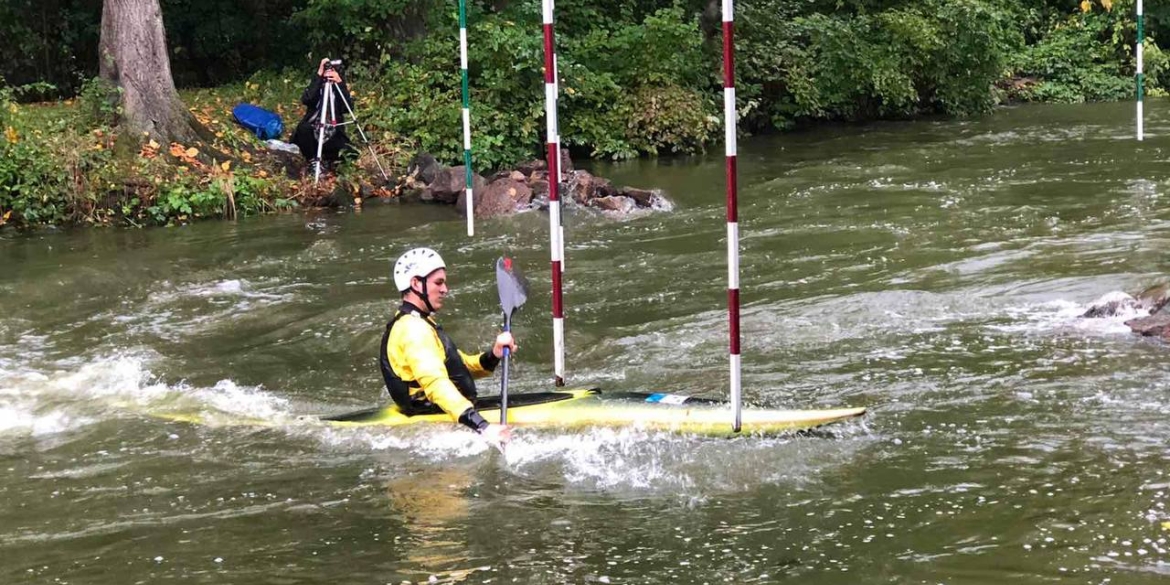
<point x="637" y="78"/>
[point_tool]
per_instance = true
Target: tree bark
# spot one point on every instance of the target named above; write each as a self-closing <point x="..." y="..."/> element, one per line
<point x="133" y="54"/>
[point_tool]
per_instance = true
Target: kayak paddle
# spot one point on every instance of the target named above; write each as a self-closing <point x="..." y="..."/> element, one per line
<point x="513" y="292"/>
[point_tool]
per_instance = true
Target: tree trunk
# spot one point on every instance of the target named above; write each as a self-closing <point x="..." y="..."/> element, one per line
<point x="133" y="54"/>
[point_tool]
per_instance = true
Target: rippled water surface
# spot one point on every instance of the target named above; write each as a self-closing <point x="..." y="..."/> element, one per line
<point x="931" y="271"/>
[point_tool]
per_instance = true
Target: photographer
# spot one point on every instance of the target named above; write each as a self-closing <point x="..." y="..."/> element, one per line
<point x="307" y="131"/>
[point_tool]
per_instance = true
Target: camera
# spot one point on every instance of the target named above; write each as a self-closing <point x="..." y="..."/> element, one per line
<point x="333" y="64"/>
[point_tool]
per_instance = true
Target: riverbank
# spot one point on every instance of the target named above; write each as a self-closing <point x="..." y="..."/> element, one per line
<point x="68" y="163"/>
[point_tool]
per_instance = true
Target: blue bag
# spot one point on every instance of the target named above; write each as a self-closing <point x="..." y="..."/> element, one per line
<point x="264" y="124"/>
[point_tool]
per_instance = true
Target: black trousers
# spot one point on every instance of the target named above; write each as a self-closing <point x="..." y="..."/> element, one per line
<point x="305" y="137"/>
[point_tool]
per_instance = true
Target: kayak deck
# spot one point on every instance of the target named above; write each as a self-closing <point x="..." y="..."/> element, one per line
<point x="589" y="408"/>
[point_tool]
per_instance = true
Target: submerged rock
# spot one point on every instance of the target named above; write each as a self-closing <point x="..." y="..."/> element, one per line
<point x="1110" y="305"/>
<point x="1151" y="300"/>
<point x="1150" y="303"/>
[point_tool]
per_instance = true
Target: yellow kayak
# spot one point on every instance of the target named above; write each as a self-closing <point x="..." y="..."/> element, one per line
<point x="575" y="409"/>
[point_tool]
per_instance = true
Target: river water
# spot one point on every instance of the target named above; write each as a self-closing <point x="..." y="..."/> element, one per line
<point x="933" y="271"/>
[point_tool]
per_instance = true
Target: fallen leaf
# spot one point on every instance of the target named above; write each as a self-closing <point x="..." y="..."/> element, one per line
<point x="192" y="152"/>
<point x="1107" y="4"/>
<point x="12" y="136"/>
<point x="152" y="144"/>
<point x="227" y="165"/>
<point x="263" y="174"/>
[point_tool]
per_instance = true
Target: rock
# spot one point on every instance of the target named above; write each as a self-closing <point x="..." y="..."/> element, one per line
<point x="566" y="162"/>
<point x="292" y="165"/>
<point x="340" y="196"/>
<point x="423" y="168"/>
<point x="500" y="197"/>
<point x="542" y="165"/>
<point x="582" y="187"/>
<point x="450" y="184"/>
<point x="532" y="166"/>
<point x="1155" y="298"/>
<point x="1154" y="325"/>
<point x="604" y="188"/>
<point x="1110" y="305"/>
<point x="616" y="203"/>
<point x="539" y="188"/>
<point x="527" y="186"/>
<point x="643" y="197"/>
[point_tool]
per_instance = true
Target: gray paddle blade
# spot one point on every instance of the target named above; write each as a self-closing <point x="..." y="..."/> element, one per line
<point x="513" y="287"/>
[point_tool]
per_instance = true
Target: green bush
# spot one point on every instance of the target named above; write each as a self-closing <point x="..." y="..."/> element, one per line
<point x="1088" y="56"/>
<point x="889" y="61"/>
<point x="612" y="76"/>
<point x="44" y="163"/>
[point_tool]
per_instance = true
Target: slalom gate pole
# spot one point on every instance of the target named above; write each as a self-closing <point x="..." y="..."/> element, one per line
<point x="466" y="117"/>
<point x="729" y="127"/>
<point x="560" y="167"/>
<point x="554" y="201"/>
<point x="1140" y="76"/>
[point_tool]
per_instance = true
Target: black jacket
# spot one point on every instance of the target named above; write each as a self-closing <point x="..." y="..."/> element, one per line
<point x="306" y="133"/>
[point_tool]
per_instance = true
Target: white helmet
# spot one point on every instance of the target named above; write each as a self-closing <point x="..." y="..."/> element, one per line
<point x="420" y="262"/>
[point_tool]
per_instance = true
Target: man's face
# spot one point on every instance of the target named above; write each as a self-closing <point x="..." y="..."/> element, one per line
<point x="437" y="288"/>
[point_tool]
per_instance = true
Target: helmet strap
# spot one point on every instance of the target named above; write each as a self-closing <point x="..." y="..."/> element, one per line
<point x="423" y="294"/>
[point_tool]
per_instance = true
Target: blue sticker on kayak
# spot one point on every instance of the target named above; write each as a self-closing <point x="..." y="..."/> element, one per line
<point x="663" y="398"/>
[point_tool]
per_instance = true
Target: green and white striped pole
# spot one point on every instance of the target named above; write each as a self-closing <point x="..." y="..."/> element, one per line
<point x="466" y="116"/>
<point x="1141" y="82"/>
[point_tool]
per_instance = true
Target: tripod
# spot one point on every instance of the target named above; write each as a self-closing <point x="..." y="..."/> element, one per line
<point x="327" y="118"/>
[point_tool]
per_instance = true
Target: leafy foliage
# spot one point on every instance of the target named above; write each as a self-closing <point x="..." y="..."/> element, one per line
<point x="897" y="60"/>
<point x="1087" y="55"/>
<point x="59" y="164"/>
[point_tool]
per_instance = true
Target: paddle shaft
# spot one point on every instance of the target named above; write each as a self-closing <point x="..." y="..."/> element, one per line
<point x="504" y="375"/>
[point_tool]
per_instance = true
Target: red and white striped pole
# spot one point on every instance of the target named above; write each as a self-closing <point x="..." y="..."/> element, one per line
<point x="729" y="128"/>
<point x="554" y="201"/>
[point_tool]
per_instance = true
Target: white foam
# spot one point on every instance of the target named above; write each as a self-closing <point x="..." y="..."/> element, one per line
<point x="16" y="420"/>
<point x="231" y="288"/>
<point x="1063" y="315"/>
<point x="174" y="313"/>
<point x="44" y="402"/>
<point x="251" y="402"/>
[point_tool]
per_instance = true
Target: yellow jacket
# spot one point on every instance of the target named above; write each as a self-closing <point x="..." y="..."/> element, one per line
<point x="417" y="355"/>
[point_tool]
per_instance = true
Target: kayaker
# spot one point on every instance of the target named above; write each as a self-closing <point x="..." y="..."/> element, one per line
<point x="423" y="369"/>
